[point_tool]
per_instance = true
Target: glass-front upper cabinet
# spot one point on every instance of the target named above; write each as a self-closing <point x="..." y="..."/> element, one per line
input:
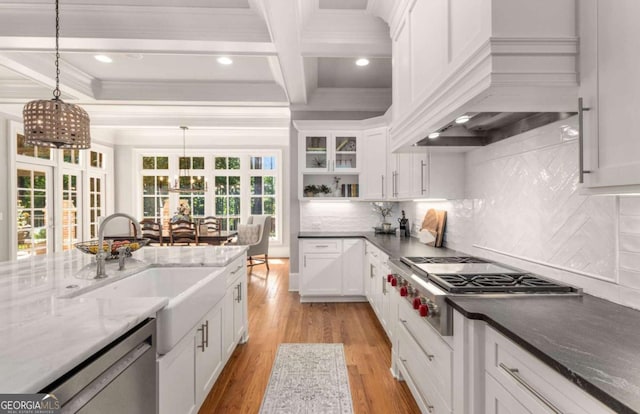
<point x="329" y="152"/>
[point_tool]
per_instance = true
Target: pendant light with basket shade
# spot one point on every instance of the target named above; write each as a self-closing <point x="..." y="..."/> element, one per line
<point x="54" y="123"/>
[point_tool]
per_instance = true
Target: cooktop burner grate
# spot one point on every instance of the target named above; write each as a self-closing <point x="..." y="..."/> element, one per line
<point x="444" y="259"/>
<point x="498" y="282"/>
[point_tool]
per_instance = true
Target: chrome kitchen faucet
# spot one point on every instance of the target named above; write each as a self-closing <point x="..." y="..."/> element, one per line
<point x="102" y="255"/>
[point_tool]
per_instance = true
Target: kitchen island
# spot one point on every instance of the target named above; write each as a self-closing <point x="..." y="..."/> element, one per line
<point x="47" y="328"/>
<point x="589" y="341"/>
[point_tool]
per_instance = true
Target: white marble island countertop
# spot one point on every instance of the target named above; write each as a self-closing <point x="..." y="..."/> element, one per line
<point x="46" y="329"/>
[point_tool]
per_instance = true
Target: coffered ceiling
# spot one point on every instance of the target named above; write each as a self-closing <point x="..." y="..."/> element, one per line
<point x="286" y="54"/>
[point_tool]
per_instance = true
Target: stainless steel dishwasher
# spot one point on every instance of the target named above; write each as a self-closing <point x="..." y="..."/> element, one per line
<point x="121" y="378"/>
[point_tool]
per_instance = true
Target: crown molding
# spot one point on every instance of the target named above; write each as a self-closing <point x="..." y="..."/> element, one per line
<point x="347" y="99"/>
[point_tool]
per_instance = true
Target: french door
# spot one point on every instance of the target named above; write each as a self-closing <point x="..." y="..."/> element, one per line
<point x="71" y="208"/>
<point x="96" y="204"/>
<point x="34" y="208"/>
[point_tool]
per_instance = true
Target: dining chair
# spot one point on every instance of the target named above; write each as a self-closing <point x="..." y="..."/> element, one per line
<point x="152" y="230"/>
<point x="213" y="224"/>
<point x="182" y="231"/>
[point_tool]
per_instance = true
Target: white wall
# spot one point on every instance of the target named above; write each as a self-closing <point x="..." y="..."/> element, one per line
<point x="525" y="209"/>
<point x="332" y="216"/>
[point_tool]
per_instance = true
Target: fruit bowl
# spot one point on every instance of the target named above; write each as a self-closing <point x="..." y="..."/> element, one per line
<point x="112" y="245"/>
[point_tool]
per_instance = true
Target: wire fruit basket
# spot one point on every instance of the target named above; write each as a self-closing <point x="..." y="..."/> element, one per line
<point x="112" y="245"/>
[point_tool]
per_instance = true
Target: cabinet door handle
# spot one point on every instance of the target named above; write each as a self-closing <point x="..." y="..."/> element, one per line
<point x="429" y="356"/>
<point x="202" y="339"/>
<point x="384" y="286"/>
<point x="425" y="400"/>
<point x="305" y="261"/>
<point x="515" y="374"/>
<point x="239" y="297"/>
<point x="382" y="176"/>
<point x="581" y="170"/>
<point x="422" y="165"/>
<point x="206" y="328"/>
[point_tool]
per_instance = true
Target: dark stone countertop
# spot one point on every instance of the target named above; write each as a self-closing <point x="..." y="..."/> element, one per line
<point x="394" y="246"/>
<point x="592" y="342"/>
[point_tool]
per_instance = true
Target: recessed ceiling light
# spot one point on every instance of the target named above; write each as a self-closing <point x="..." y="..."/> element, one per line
<point x="433" y="135"/>
<point x="462" y="119"/>
<point x="224" y="60"/>
<point x="362" y="62"/>
<point x="103" y="58"/>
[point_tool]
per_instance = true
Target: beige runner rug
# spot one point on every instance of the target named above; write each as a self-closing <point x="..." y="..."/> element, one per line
<point x="308" y="378"/>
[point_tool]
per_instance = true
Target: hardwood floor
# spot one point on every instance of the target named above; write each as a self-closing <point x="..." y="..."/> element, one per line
<point x="276" y="316"/>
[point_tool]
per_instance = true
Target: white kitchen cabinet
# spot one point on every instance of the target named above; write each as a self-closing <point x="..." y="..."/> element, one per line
<point x="187" y="372"/>
<point x="424" y="361"/>
<point x="499" y="401"/>
<point x="321" y="274"/>
<point x="329" y="151"/>
<point x="374" y="176"/>
<point x="352" y="267"/>
<point x="208" y="352"/>
<point x="610" y="87"/>
<point x="428" y="174"/>
<point x="420" y="174"/>
<point x="332" y="270"/>
<point x="177" y="378"/>
<point x="401" y="176"/>
<point x="235" y="308"/>
<point x="531" y="383"/>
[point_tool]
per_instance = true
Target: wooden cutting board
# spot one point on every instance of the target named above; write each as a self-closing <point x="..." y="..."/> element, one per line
<point x="442" y="220"/>
<point x="434" y="222"/>
<point x="430" y="221"/>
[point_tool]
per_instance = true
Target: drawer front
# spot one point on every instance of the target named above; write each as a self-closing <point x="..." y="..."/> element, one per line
<point x="532" y="382"/>
<point x="499" y="401"/>
<point x="420" y="376"/>
<point x="234" y="270"/>
<point x="436" y="354"/>
<point x="322" y="246"/>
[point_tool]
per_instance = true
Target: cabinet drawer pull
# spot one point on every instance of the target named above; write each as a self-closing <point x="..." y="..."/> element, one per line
<point x="515" y="374"/>
<point x="236" y="271"/>
<point x="429" y="356"/>
<point x="581" y="170"/>
<point x="422" y="165"/>
<point x="425" y="400"/>
<point x="322" y="245"/>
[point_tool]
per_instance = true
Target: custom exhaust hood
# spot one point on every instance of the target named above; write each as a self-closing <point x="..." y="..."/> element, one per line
<point x="484" y="128"/>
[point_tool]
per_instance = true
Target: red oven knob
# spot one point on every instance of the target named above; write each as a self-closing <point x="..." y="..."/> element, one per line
<point x="416" y="303"/>
<point x="403" y="291"/>
<point x="394" y="281"/>
<point x="389" y="277"/>
<point x="424" y="310"/>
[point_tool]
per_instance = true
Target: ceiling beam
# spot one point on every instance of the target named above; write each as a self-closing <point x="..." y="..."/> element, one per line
<point x="144" y="46"/>
<point x="282" y="19"/>
<point x="134" y="22"/>
<point x="74" y="84"/>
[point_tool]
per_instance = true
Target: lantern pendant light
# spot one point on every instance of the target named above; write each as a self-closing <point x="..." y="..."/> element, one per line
<point x="185" y="173"/>
<point x="54" y="123"/>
